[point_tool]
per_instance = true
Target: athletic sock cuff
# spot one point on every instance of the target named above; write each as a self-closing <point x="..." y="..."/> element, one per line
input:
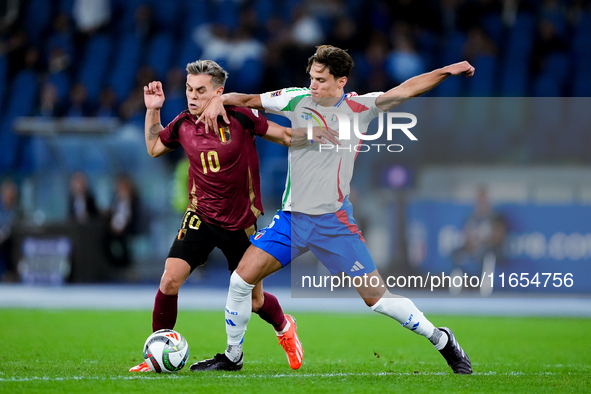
<point x="239" y="285"/>
<point x="167" y="297"/>
<point x="380" y="301"/>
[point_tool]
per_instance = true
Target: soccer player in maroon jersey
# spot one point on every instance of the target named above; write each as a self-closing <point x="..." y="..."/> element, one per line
<point x="224" y="191"/>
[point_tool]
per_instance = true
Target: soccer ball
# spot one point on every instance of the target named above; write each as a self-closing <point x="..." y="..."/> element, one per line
<point x="166" y="351"/>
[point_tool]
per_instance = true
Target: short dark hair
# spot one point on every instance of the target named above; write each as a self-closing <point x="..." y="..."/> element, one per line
<point x="338" y="61"/>
<point x="209" y="67"/>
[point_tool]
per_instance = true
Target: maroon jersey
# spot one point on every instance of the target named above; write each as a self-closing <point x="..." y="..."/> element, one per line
<point x="224" y="180"/>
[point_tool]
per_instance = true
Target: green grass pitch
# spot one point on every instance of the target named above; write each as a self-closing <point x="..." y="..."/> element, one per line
<point x="69" y="351"/>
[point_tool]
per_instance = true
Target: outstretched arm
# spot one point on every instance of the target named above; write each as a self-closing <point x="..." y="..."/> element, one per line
<point x="421" y="84"/>
<point x="154" y="99"/>
<point x="215" y="107"/>
<point x="243" y="100"/>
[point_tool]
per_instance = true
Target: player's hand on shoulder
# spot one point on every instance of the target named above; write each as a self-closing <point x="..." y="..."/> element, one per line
<point x="154" y="95"/>
<point x="461" y="68"/>
<point x="213" y="109"/>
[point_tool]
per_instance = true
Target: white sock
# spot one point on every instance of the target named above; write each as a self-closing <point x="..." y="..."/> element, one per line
<point x="285" y="329"/>
<point x="439" y="338"/>
<point x="404" y="312"/>
<point x="233" y="352"/>
<point x="238" y="309"/>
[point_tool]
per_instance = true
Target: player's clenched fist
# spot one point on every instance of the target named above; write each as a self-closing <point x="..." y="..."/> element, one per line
<point x="154" y="95"/>
<point x="461" y="68"/>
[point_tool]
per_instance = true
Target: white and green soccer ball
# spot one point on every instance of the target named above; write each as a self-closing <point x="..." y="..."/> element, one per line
<point x="166" y="351"/>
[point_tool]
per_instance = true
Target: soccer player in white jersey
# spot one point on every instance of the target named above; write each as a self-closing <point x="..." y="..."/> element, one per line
<point x="316" y="213"/>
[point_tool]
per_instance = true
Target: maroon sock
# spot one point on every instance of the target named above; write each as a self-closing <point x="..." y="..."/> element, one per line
<point x="165" y="311"/>
<point x="272" y="313"/>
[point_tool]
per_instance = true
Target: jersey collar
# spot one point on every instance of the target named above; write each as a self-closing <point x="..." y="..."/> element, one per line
<point x="341" y="100"/>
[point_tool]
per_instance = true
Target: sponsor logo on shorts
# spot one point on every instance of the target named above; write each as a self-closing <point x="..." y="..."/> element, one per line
<point x="357" y="266"/>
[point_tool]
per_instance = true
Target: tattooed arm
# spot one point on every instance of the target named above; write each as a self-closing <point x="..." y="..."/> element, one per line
<point x="154" y="99"/>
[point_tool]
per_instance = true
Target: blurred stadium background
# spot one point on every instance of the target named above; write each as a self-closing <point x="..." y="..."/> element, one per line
<point x="71" y="77"/>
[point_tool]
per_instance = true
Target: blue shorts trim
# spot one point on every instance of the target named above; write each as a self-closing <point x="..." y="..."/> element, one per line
<point x="333" y="238"/>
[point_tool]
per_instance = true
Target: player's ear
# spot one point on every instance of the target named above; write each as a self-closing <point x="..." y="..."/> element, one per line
<point x="342" y="81"/>
<point x="219" y="91"/>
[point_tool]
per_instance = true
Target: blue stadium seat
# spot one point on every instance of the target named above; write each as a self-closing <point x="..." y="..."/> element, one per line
<point x="551" y="81"/>
<point x="493" y="27"/>
<point x="227" y="13"/>
<point x="175" y="104"/>
<point x="160" y="52"/>
<point x="452" y="87"/>
<point x="38" y="16"/>
<point x="428" y="46"/>
<point x="580" y="54"/>
<point x="516" y="57"/>
<point x="62" y="83"/>
<point x="189" y="52"/>
<point x="197" y="12"/>
<point x="23" y="98"/>
<point x="582" y="33"/>
<point x="546" y="86"/>
<point x="514" y="81"/>
<point x="127" y="62"/>
<point x="124" y="14"/>
<point x="362" y="67"/>
<point x="66" y="7"/>
<point x="452" y="53"/>
<point x="521" y="36"/>
<point x="484" y="84"/>
<point x="23" y="94"/>
<point x="453" y="48"/>
<point x="581" y="86"/>
<point x="249" y="76"/>
<point x="9" y="143"/>
<point x="288" y="7"/>
<point x="39" y="154"/>
<point x="97" y="56"/>
<point x="264" y="10"/>
<point x="167" y="14"/>
<point x="3" y="80"/>
<point x="558" y="66"/>
<point x="516" y="69"/>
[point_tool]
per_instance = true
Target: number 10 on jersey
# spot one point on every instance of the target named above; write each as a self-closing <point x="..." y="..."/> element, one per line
<point x="212" y="162"/>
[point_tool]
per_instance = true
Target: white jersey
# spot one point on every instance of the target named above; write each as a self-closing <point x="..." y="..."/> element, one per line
<point x="318" y="178"/>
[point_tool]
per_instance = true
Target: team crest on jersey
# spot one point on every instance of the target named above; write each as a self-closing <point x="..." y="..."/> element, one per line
<point x="224" y="133"/>
<point x="276" y="94"/>
<point x="259" y="235"/>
